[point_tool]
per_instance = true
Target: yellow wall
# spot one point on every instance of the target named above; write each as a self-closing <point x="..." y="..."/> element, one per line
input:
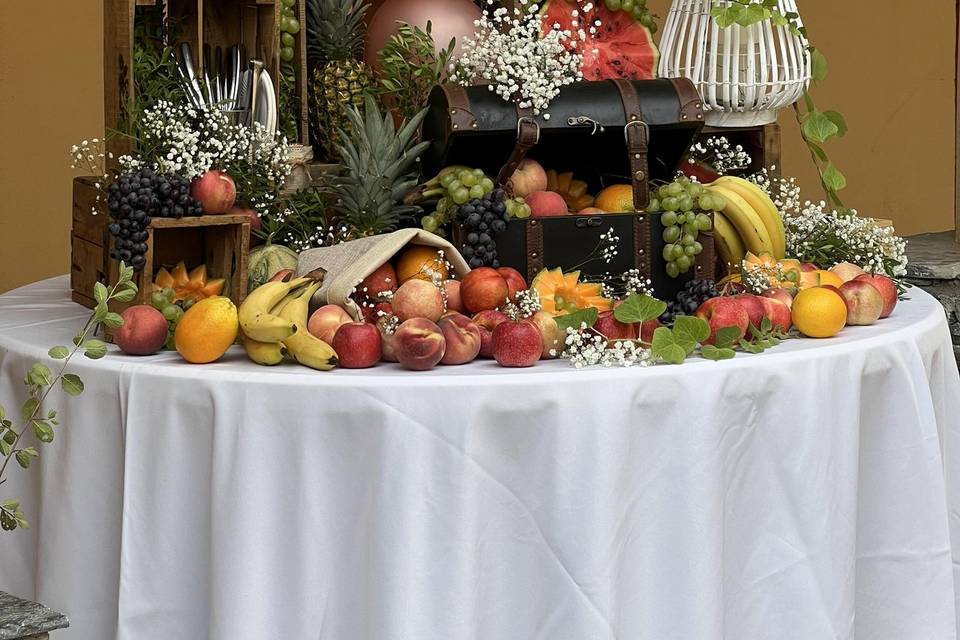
<point x="892" y="72"/>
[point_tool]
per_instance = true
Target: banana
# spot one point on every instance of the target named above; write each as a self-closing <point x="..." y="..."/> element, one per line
<point x="256" y="319"/>
<point x="746" y="220"/>
<point x="729" y="245"/>
<point x="763" y="205"/>
<point x="306" y="349"/>
<point x="265" y="353"/>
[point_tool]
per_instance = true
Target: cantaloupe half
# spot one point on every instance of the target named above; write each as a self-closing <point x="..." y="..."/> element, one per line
<point x="187" y="285"/>
<point x="562" y="293"/>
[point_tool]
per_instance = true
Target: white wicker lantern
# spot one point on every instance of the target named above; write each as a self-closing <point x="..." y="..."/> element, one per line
<point x="744" y="74"/>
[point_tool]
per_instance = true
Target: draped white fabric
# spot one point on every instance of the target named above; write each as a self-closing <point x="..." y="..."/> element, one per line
<point x="807" y="493"/>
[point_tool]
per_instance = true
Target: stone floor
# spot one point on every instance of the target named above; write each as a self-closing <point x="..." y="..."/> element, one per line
<point x="935" y="267"/>
<point x="24" y="620"/>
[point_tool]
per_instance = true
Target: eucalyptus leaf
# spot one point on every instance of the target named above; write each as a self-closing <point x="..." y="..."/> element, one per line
<point x="39" y="375"/>
<point x="100" y="293"/>
<point x="29" y="408"/>
<point x="95" y="349"/>
<point x="124" y="295"/>
<point x="23" y="459"/>
<point x="577" y="319"/>
<point x="58" y="353"/>
<point x="639" y="308"/>
<point x="43" y="431"/>
<point x="71" y="384"/>
<point x="112" y="320"/>
<point x="5" y="448"/>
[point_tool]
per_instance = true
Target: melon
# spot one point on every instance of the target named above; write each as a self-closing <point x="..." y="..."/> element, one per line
<point x="266" y="260"/>
<point x="621" y="47"/>
<point x="562" y="293"/>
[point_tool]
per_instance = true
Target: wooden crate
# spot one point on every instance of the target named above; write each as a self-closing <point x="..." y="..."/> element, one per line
<point x="220" y="242"/>
<point x="761" y="142"/>
<point x="252" y="23"/>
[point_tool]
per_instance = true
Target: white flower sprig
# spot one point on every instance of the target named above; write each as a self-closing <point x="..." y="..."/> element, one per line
<point x="829" y="237"/>
<point x="520" y="64"/>
<point x="524" y="305"/>
<point x="784" y="191"/>
<point x="585" y="347"/>
<point x="720" y="154"/>
<point x="634" y="283"/>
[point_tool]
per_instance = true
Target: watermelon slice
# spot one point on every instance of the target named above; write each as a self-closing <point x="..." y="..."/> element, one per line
<point x="621" y="47"/>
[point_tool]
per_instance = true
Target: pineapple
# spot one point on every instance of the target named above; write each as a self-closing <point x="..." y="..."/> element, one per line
<point x="378" y="168"/>
<point x="337" y="31"/>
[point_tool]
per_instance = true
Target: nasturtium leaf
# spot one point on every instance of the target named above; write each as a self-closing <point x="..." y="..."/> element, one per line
<point x="753" y="14"/>
<point x="72" y="384"/>
<point x="666" y="348"/>
<point x="577" y="318"/>
<point x="726" y="16"/>
<point x="689" y="331"/>
<point x="726" y="337"/>
<point x="834" y="179"/>
<point x="710" y="352"/>
<point x="818" y="127"/>
<point x="818" y="150"/>
<point x="95" y="349"/>
<point x="837" y="118"/>
<point x="639" y="308"/>
<point x="818" y="65"/>
<point x="58" y="353"/>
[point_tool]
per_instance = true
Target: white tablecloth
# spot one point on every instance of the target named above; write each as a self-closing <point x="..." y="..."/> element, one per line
<point x="807" y="493"/>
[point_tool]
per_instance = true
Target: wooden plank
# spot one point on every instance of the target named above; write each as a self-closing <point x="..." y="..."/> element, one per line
<point x="118" y="87"/>
<point x="86" y="267"/>
<point x="300" y="61"/>
<point x="196" y="221"/>
<point x="86" y="225"/>
<point x="956" y="131"/>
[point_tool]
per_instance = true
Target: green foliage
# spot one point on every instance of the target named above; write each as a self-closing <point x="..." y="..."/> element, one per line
<point x="40" y="380"/>
<point x="412" y="65"/>
<point x="577" y="319"/>
<point x="816" y="127"/>
<point x="762" y="338"/>
<point x="639" y="308"/>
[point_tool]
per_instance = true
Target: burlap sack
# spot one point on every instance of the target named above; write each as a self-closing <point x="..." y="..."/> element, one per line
<point x="349" y="263"/>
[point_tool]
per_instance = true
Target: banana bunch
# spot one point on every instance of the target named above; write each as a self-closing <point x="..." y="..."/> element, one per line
<point x="749" y="222"/>
<point x="273" y="325"/>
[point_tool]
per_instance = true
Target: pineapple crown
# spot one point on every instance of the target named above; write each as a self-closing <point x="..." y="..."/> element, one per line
<point x="378" y="163"/>
<point x="335" y="29"/>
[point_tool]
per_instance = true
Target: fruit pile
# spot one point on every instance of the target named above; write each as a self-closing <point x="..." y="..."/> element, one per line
<point x="748" y="222"/>
<point x="686" y="208"/>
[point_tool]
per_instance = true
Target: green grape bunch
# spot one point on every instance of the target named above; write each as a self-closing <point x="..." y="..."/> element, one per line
<point x="454" y="187"/>
<point x="289" y="27"/>
<point x="684" y="207"/>
<point x="172" y="309"/>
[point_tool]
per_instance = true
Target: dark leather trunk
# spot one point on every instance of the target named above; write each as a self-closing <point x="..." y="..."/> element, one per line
<point x="606" y="133"/>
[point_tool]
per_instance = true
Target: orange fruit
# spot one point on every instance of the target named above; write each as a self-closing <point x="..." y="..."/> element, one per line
<point x="616" y="198"/>
<point x="829" y="277"/>
<point x="207" y="330"/>
<point x="819" y="312"/>
<point x="420" y="262"/>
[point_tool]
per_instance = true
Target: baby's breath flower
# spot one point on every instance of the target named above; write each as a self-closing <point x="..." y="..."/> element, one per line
<point x="720" y="154"/>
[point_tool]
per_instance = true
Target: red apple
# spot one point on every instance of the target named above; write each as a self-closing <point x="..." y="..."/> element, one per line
<point x="325" y="321"/>
<point x="779" y="294"/>
<point x="865" y="303"/>
<point x="144" y="331"/>
<point x="454" y="302"/>
<point x="517" y="344"/>
<point x="488" y="321"/>
<point x="419" y="344"/>
<point x="358" y="345"/>
<point x="721" y="313"/>
<point x="483" y="289"/>
<point x="808" y="266"/>
<point x="778" y="313"/>
<point x="753" y="306"/>
<point x="215" y="190"/>
<point x="613" y="330"/>
<point x="515" y="282"/>
<point x="887" y="289"/>
<point x="544" y="204"/>
<point x="382" y="280"/>
<point x="418" y="299"/>
<point x="372" y="313"/>
<point x="462" y="336"/>
<point x="388" y="350"/>
<point x="647" y="329"/>
<point x="553" y="337"/>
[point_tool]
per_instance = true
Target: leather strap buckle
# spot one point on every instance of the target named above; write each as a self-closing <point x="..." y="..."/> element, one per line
<point x="523" y="131"/>
<point x="645" y="140"/>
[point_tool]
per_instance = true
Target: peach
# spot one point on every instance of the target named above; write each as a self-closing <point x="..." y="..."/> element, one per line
<point x="144" y="331"/>
<point x="753" y="305"/>
<point x="864" y="302"/>
<point x="546" y="203"/>
<point x="887" y="289"/>
<point x="418" y="299"/>
<point x="614" y="330"/>
<point x="589" y="210"/>
<point x="808" y="266"/>
<point x="454" y="302"/>
<point x="517" y="344"/>
<point x="358" y="345"/>
<point x="778" y="313"/>
<point x="847" y="271"/>
<point x="382" y="280"/>
<point x="483" y="289"/>
<point x="215" y="190"/>
<point x="515" y="282"/>
<point x="388" y="350"/>
<point x="780" y="294"/>
<point x="488" y="321"/>
<point x="462" y="336"/>
<point x="553" y="337"/>
<point x="419" y="344"/>
<point x="325" y="321"/>
<point x="721" y="313"/>
<point x="528" y="178"/>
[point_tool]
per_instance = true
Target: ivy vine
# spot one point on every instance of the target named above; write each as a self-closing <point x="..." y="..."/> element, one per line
<point x="816" y="126"/>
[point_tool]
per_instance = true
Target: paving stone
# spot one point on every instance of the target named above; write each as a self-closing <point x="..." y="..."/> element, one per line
<point x="933" y="256"/>
<point x="24" y="620"/>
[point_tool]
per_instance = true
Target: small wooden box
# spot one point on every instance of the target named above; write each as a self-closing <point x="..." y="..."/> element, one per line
<point x="220" y="242"/>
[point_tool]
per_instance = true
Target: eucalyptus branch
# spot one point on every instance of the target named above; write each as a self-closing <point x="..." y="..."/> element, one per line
<point x="41" y="381"/>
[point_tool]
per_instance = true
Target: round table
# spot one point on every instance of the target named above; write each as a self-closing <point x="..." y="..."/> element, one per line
<point x="805" y="493"/>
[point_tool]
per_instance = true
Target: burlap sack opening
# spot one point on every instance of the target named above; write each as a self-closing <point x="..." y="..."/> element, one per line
<point x="349" y="263"/>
